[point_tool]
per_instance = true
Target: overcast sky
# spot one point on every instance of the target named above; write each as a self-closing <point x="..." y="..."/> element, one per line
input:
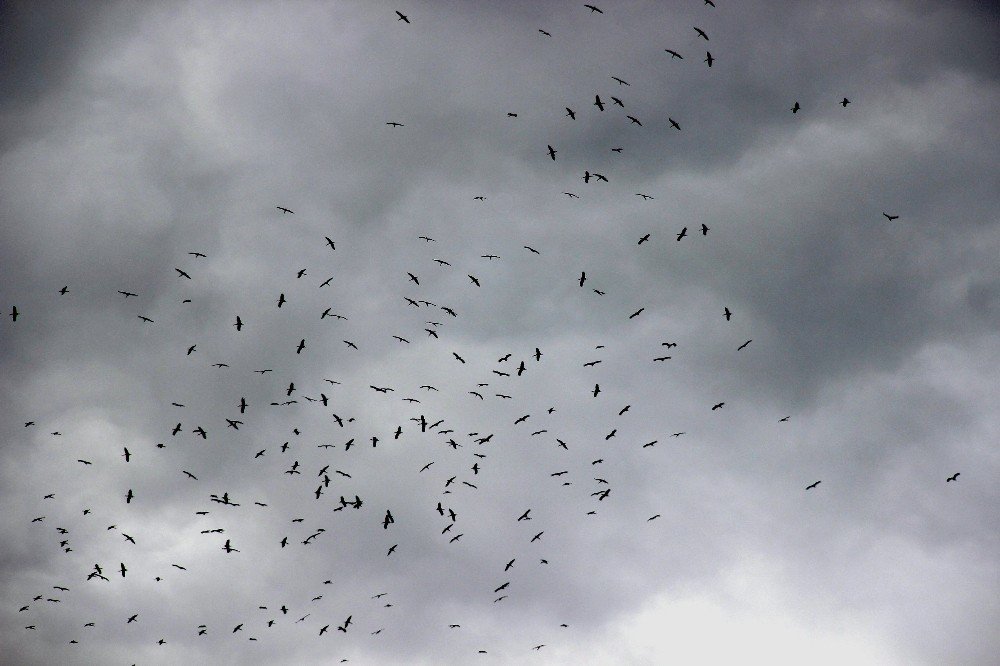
<point x="135" y="134"/>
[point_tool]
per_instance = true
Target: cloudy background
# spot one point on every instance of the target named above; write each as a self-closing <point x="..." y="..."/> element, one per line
<point x="132" y="134"/>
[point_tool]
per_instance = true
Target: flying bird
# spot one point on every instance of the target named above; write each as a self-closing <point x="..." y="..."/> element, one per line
<point x="708" y="58"/>
<point x="552" y="153"/>
<point x="890" y="217"/>
<point x="593" y="9"/>
<point x="812" y="485"/>
<point x="285" y="210"/>
<point x="402" y="17"/>
<point x="953" y="477"/>
<point x="674" y="54"/>
<point x="796" y="108"/>
<point x="744" y="345"/>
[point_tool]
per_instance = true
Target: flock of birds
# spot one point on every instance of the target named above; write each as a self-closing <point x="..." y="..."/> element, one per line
<point x="314" y="472"/>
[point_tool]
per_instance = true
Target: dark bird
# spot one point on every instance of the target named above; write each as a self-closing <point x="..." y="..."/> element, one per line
<point x="571" y="195"/>
<point x="127" y="455"/>
<point x="674" y="54"/>
<point x="512" y="115"/>
<point x="281" y="300"/>
<point x="387" y="520"/>
<point x="228" y="548"/>
<point x="583" y="278"/>
<point x="547" y="34"/>
<point x="812" y="485"/>
<point x="645" y="197"/>
<point x="727" y="313"/>
<point x="458" y="357"/>
<point x="552" y="153"/>
<point x="197" y="254"/>
<point x="704" y="230"/>
<point x="662" y="358"/>
<point x="683" y="233"/>
<point x="182" y="273"/>
<point x="744" y="345"/>
<point x="717" y="406"/>
<point x="239" y="323"/>
<point x="652" y="518"/>
<point x="891" y="217"/>
<point x="126" y="294"/>
<point x="617" y="150"/>
<point x="674" y="124"/>
<point x="634" y="120"/>
<point x="636" y="313"/>
<point x="537" y="537"/>
<point x="571" y="113"/>
<point x="593" y="9"/>
<point x="329" y="241"/>
<point x="402" y="17"/>
<point x="590" y="364"/>
<point x="701" y="33"/>
<point x="953" y="477"/>
<point x="845" y="102"/>
<point x="598" y="103"/>
<point x="64" y="290"/>
<point x="621" y="82"/>
<point x="285" y="210"/>
<point x="708" y="58"/>
<point x="474" y="280"/>
<point x="784" y="419"/>
<point x="301" y="346"/>
<point x="524" y="516"/>
<point x="796" y="108"/>
<point x="394" y="124"/>
<point x="597" y="389"/>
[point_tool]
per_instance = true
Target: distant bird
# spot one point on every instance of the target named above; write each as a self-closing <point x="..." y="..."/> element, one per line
<point x="812" y="485"/>
<point x="717" y="406"/>
<point x="674" y="54"/>
<point x="281" y="300"/>
<point x="636" y="313"/>
<point x="126" y="294"/>
<point x="402" y="17"/>
<point x="570" y="113"/>
<point x="598" y="103"/>
<point x="683" y="233"/>
<point x="704" y="230"/>
<point x="531" y="249"/>
<point x="891" y="217"/>
<point x="552" y="153"/>
<point x="701" y="33"/>
<point x="784" y="419"/>
<point x="673" y="123"/>
<point x="145" y="319"/>
<point x="239" y="323"/>
<point x="708" y="58"/>
<point x="621" y="82"/>
<point x="394" y="124"/>
<point x="182" y="273"/>
<point x="593" y="9"/>
<point x="727" y="313"/>
<point x="301" y="346"/>
<point x="329" y="241"/>
<point x="583" y="278"/>
<point x="634" y="120"/>
<point x="845" y="102"/>
<point x="285" y="210"/>
<point x="547" y="34"/>
<point x="127" y="455"/>
<point x="796" y="108"/>
<point x="597" y="389"/>
<point x="571" y="195"/>
<point x="744" y="345"/>
<point x="64" y="290"/>
<point x="953" y="477"/>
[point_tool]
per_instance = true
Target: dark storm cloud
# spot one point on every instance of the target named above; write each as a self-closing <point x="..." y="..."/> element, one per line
<point x="147" y="132"/>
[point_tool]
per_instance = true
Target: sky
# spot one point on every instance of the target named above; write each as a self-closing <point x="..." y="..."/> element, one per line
<point x="146" y="148"/>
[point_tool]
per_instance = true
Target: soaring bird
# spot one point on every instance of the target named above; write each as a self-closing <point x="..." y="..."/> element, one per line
<point x="593" y="9"/>
<point x="727" y="313"/>
<point x="571" y="113"/>
<point x="598" y="103"/>
<point x="953" y="477"/>
<point x="402" y="17"/>
<point x="285" y="210"/>
<point x="674" y="54"/>
<point x="845" y="102"/>
<point x="701" y="33"/>
<point x="552" y="152"/>
<point x="891" y="217"/>
<point x="813" y="485"/>
<point x="708" y="58"/>
<point x="796" y="108"/>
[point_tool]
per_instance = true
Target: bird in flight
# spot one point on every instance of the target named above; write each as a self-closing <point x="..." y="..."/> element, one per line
<point x="812" y="485"/>
<point x="284" y="210"/>
<point x="552" y="152"/>
<point x="634" y="120"/>
<point x="796" y="108"/>
<point x="126" y="294"/>
<point x="701" y="33"/>
<point x="890" y="217"/>
<point x="704" y="229"/>
<point x="593" y="9"/>
<point x="845" y="102"/>
<point x="571" y="113"/>
<point x="673" y="123"/>
<point x="953" y="477"/>
<point x="708" y="58"/>
<point x="744" y="345"/>
<point x="394" y="124"/>
<point x="598" y="103"/>
<point x="402" y="17"/>
<point x="547" y="34"/>
<point x="239" y="323"/>
<point x="683" y="233"/>
<point x="621" y="82"/>
<point x="182" y="273"/>
<point x="645" y="197"/>
<point x="727" y="314"/>
<point x="674" y="54"/>
<point x="717" y="406"/>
